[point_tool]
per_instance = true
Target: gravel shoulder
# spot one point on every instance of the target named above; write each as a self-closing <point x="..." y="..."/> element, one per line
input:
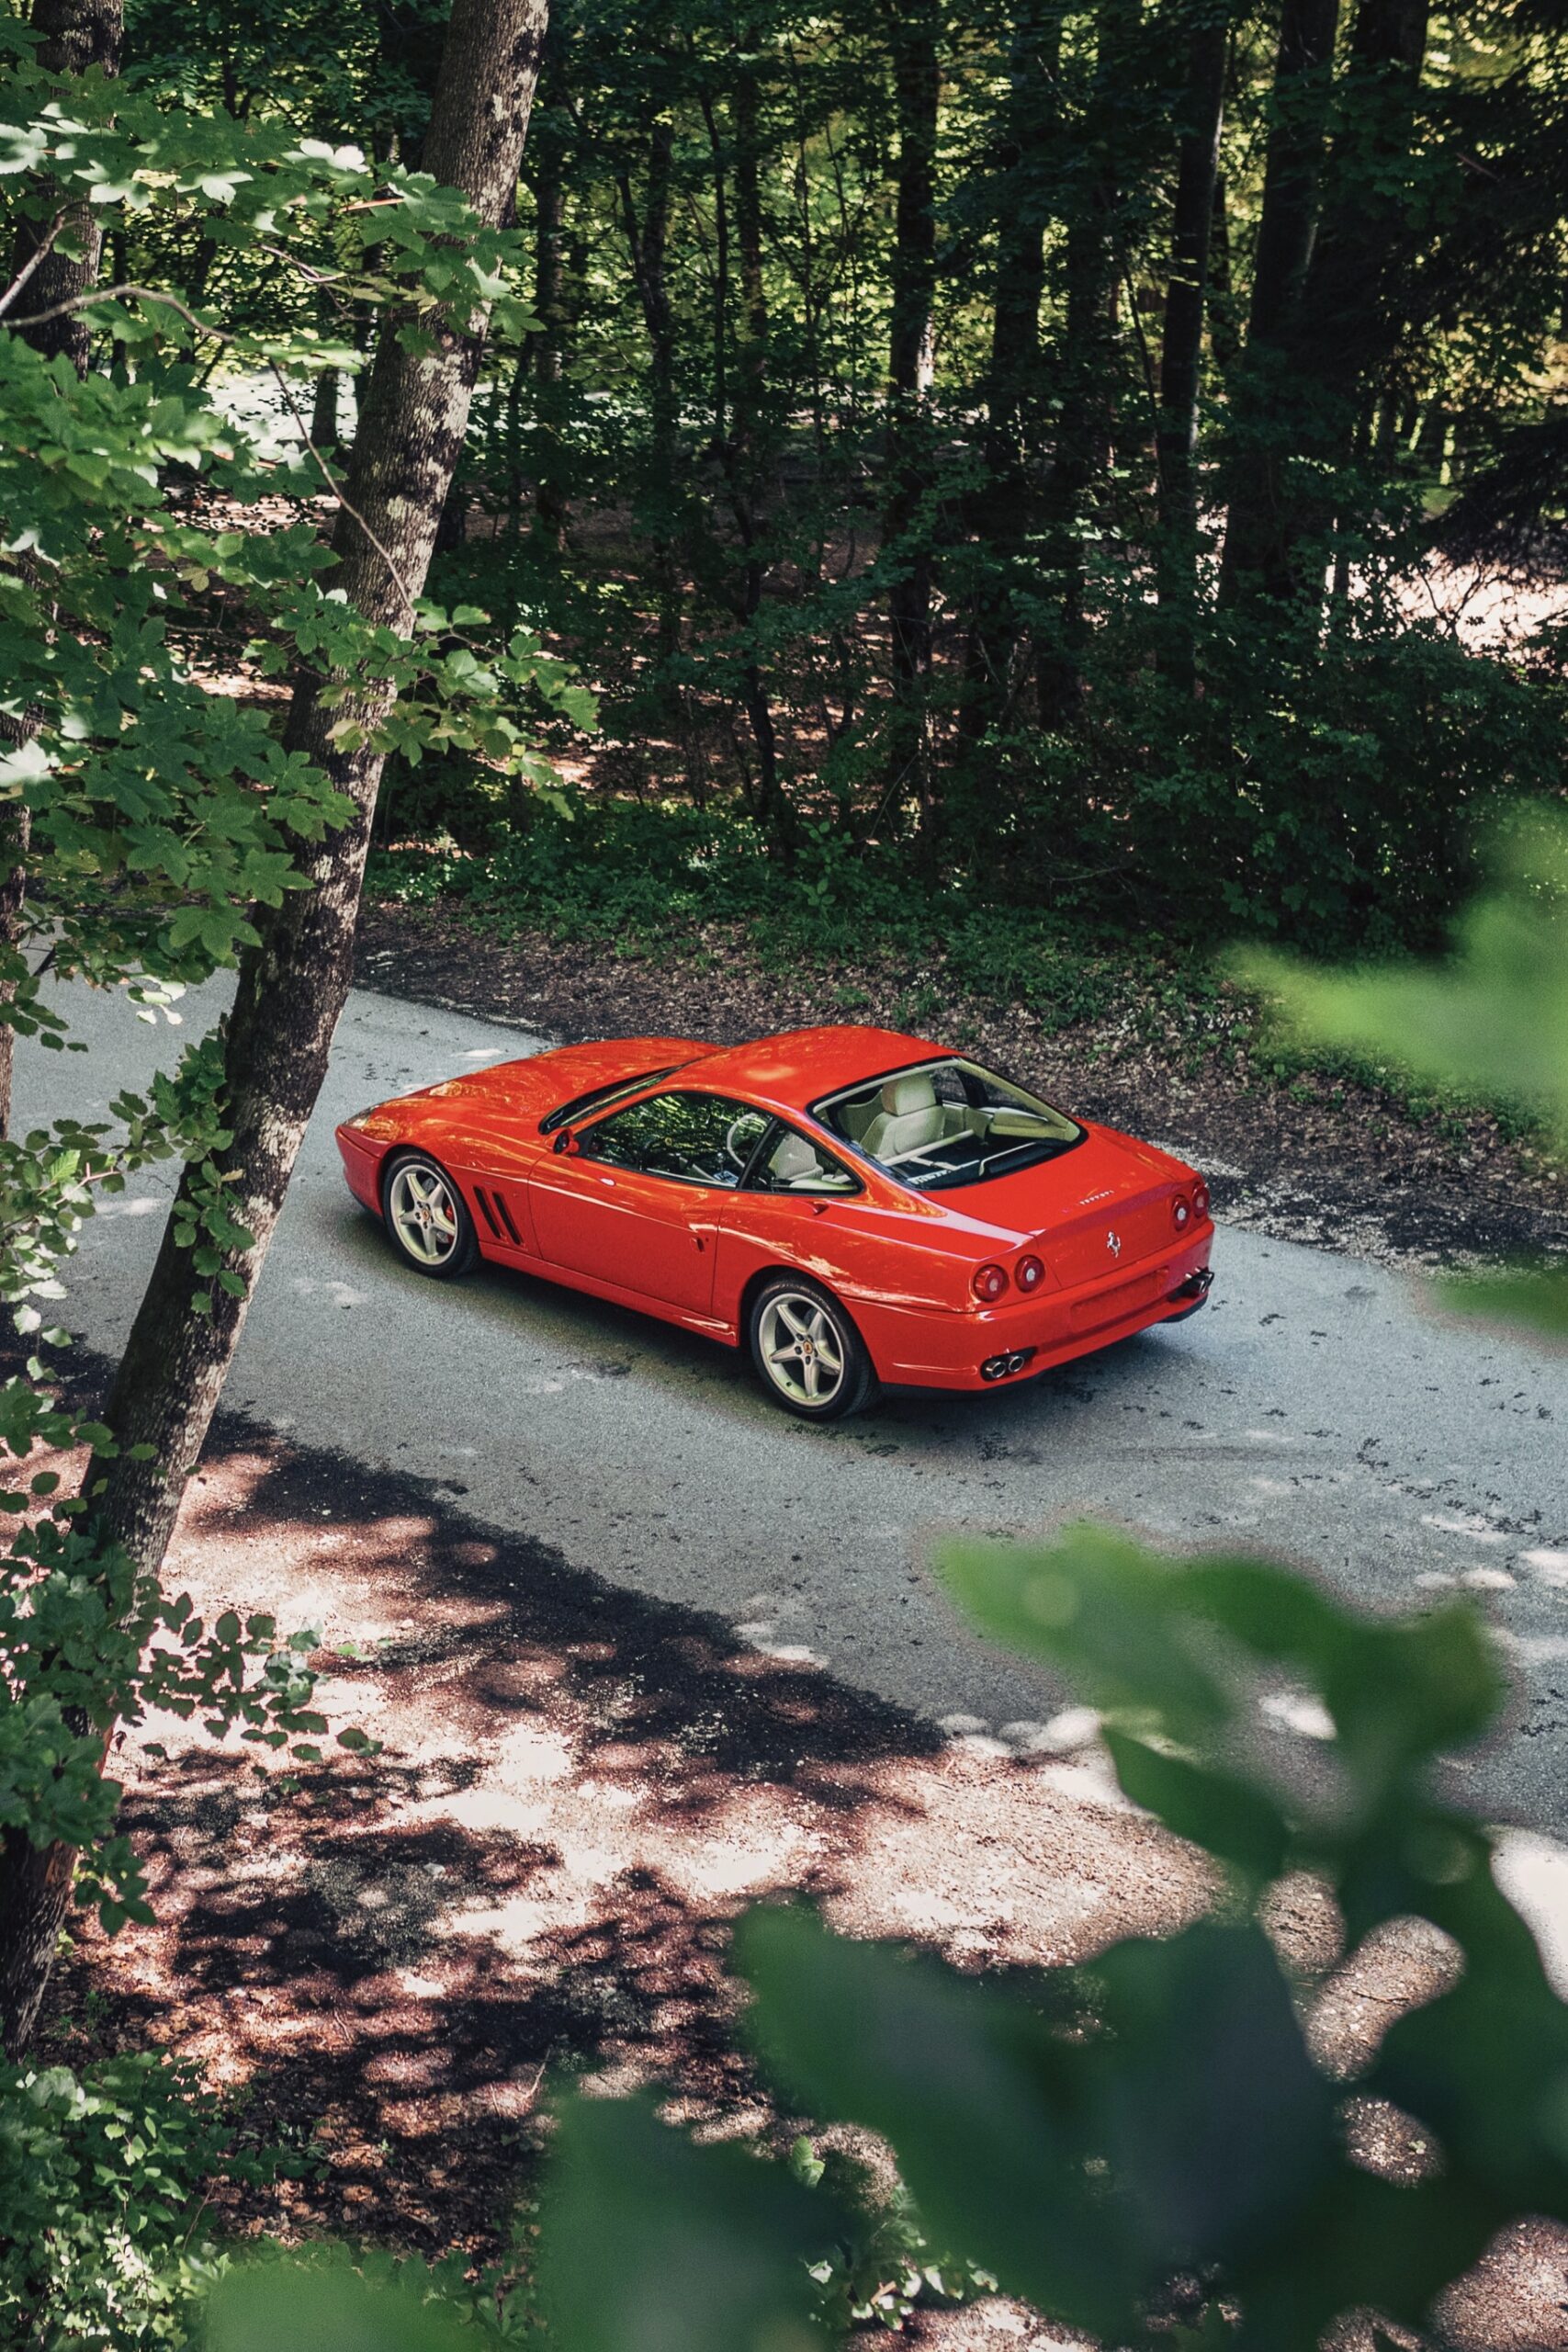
<point x="1314" y="1157"/>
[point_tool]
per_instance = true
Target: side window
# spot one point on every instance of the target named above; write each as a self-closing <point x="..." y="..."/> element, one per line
<point x="694" y="1138"/>
<point x="793" y="1163"/>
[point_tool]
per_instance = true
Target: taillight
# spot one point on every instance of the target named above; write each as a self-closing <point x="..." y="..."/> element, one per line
<point x="1181" y="1213"/>
<point x="1029" y="1274"/>
<point x="1201" y="1199"/>
<point x="989" y="1284"/>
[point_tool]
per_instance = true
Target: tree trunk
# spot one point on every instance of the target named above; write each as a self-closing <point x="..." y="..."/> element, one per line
<point x="916" y="81"/>
<point x="650" y="243"/>
<point x="1086" y="418"/>
<point x="1181" y="344"/>
<point x="1255" y="552"/>
<point x="550" y="141"/>
<point x="1343" y="335"/>
<point x="292" y="987"/>
<point x="77" y="35"/>
<point x="1003" y="505"/>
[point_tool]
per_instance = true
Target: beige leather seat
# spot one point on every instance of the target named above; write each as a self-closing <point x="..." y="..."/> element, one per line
<point x="794" y="1162"/>
<point x="910" y="1116"/>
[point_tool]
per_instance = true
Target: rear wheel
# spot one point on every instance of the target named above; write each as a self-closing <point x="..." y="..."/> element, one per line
<point x="812" y="1360"/>
<point x="424" y="1212"/>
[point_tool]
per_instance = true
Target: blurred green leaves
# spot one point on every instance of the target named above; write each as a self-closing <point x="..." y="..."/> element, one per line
<point x="1492" y="1022"/>
<point x="652" y="2245"/>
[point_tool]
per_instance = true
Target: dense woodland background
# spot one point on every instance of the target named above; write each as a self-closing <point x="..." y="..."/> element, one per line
<point x="1058" y="449"/>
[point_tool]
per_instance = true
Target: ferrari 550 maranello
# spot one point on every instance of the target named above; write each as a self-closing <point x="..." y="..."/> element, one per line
<point x="855" y="1207"/>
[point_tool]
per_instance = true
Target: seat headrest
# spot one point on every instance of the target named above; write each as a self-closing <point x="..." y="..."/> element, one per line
<point x="913" y="1092"/>
<point x="793" y="1156"/>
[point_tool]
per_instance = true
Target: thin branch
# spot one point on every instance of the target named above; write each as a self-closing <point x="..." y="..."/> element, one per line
<point x="112" y="294"/>
<point x="40" y="253"/>
<point x="331" y="480"/>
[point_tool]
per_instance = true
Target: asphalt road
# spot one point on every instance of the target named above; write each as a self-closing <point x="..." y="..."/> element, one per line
<point x="1312" y="1411"/>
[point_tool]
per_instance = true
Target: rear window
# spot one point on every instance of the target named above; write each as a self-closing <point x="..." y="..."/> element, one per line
<point x="598" y="1096"/>
<point x="941" y="1124"/>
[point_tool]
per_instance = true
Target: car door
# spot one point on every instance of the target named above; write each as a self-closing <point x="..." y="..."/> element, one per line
<point x="799" y="1206"/>
<point x="635" y="1198"/>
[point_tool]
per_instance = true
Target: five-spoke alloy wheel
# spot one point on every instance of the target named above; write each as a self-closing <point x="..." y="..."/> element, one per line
<point x="811" y="1358"/>
<point x="426" y="1218"/>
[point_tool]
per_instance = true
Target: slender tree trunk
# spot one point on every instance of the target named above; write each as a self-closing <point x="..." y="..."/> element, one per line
<point x="550" y="141"/>
<point x="1225" y="342"/>
<point x="1003" y="507"/>
<point x="916" y="81"/>
<point x="292" y="987"/>
<point x="748" y="454"/>
<point x="1181" y="344"/>
<point x="76" y="37"/>
<point x="1255" y="553"/>
<point x="650" y="243"/>
<point x="1087" y="414"/>
<point x="1343" y="335"/>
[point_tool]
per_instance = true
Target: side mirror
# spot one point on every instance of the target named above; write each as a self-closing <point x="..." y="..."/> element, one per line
<point x="565" y="1141"/>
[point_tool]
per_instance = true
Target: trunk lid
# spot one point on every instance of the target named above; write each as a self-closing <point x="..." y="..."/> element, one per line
<point x="1105" y="1206"/>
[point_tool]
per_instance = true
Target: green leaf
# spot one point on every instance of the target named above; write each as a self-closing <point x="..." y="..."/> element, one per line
<point x="1195" y="2100"/>
<point x="322" y="2299"/>
<point x="1224" y="1815"/>
<point x="1528" y="1299"/>
<point x="650" y="2244"/>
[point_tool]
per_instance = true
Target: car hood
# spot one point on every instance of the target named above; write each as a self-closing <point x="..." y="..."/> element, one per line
<point x="528" y="1089"/>
<point x="1071" y="1207"/>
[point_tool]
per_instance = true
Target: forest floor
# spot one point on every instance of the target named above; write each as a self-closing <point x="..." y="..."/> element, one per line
<point x="399" y="1964"/>
<point x="1314" y="1155"/>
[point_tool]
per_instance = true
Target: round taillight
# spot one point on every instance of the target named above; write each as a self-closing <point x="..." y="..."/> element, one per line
<point x="1029" y="1274"/>
<point x="1200" y="1201"/>
<point x="1181" y="1213"/>
<point x="989" y="1284"/>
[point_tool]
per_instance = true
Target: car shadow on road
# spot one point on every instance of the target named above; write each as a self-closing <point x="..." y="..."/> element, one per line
<point x="551" y="1321"/>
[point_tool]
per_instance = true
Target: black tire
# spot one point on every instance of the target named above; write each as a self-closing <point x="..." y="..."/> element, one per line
<point x="400" y="1184"/>
<point x="792" y="1310"/>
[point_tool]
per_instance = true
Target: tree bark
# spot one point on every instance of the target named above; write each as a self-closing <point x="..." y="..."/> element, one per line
<point x="1087" y="415"/>
<point x="1003" y="507"/>
<point x="1181" y="344"/>
<point x="649" y="241"/>
<point x="1255" y="552"/>
<point x="551" y="138"/>
<point x="917" y="82"/>
<point x="76" y="36"/>
<point x="1344" y="330"/>
<point x="292" y="987"/>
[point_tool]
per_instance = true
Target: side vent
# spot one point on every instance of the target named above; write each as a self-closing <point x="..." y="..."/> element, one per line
<point x="506" y="1220"/>
<point x="487" y="1213"/>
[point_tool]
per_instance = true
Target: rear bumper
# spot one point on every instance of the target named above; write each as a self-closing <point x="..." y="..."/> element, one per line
<point x="926" y="1349"/>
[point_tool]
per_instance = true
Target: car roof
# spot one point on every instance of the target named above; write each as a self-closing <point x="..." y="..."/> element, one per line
<point x="798" y="1066"/>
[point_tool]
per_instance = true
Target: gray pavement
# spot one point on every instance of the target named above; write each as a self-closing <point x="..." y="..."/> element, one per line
<point x="1312" y="1411"/>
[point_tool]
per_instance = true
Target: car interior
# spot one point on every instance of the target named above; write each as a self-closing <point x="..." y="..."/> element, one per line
<point x="948" y="1123"/>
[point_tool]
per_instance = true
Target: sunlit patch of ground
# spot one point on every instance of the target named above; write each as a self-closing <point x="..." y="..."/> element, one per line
<point x="578" y="1792"/>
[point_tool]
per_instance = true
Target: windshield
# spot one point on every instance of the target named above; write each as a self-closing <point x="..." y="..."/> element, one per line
<point x="598" y="1096"/>
<point x="946" y="1123"/>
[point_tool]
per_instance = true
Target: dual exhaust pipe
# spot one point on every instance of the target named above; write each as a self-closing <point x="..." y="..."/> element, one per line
<point x="999" y="1367"/>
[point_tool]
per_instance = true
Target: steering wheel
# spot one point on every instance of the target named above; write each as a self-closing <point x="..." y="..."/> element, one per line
<point x="732" y="1150"/>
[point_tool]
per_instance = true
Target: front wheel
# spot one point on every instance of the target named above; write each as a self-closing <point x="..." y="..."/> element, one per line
<point x="812" y="1360"/>
<point x="425" y="1214"/>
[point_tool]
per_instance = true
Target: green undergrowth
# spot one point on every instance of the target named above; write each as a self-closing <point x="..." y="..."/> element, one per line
<point x="639" y="879"/>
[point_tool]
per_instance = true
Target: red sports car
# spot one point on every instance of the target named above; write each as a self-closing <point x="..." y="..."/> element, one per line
<point x="855" y="1207"/>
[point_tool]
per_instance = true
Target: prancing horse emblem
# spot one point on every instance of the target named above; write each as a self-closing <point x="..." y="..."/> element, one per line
<point x="1113" y="1243"/>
